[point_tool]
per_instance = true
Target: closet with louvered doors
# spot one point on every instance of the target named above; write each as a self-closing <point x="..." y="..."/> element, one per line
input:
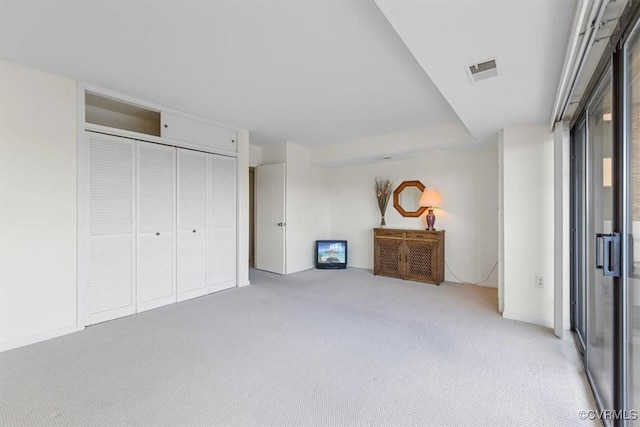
<point x="157" y="209"/>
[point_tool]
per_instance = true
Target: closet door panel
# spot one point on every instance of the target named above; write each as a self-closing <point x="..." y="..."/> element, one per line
<point x="223" y="259"/>
<point x="156" y="225"/>
<point x="111" y="186"/>
<point x="223" y="191"/>
<point x="156" y="285"/>
<point x="110" y="278"/>
<point x="222" y="273"/>
<point x="193" y="204"/>
<point x="111" y="268"/>
<point x="192" y="274"/>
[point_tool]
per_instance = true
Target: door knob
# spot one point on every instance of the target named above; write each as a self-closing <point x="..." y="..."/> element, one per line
<point x="281" y="224"/>
<point x="157" y="234"/>
<point x="194" y="231"/>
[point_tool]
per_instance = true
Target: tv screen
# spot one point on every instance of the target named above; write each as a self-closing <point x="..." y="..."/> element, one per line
<point x="331" y="254"/>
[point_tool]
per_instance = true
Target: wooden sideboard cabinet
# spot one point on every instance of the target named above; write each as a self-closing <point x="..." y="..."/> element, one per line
<point x="409" y="254"/>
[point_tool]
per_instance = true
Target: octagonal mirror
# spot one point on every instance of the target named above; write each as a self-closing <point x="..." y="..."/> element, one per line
<point x="406" y="197"/>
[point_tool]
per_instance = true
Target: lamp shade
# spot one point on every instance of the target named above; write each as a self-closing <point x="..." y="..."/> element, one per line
<point x="430" y="198"/>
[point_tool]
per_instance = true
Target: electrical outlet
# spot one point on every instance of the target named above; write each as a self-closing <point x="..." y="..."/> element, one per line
<point x="539" y="282"/>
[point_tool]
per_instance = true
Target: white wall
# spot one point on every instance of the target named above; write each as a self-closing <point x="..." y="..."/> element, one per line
<point x="409" y="144"/>
<point x="468" y="183"/>
<point x="37" y="205"/>
<point x="273" y="153"/>
<point x="307" y="208"/>
<point x="528" y="239"/>
<point x="255" y="155"/>
<point x="243" y="208"/>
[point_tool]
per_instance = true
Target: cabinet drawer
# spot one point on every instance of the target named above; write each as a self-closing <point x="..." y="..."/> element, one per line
<point x="416" y="235"/>
<point x="389" y="233"/>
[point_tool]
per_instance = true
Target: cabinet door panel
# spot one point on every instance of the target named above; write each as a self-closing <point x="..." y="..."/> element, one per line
<point x="198" y="132"/>
<point x="421" y="260"/>
<point x="388" y="257"/>
<point x="156" y="225"/>
<point x="193" y="231"/>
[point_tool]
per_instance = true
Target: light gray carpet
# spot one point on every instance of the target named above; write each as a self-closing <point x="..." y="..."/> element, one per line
<point x="314" y="348"/>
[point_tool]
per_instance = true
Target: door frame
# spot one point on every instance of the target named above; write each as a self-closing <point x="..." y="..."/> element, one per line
<point x="576" y="245"/>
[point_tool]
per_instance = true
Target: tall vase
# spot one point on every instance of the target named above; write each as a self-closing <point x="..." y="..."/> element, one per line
<point x="383" y="223"/>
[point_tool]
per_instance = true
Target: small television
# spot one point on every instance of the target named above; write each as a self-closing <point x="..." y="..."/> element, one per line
<point x="331" y="254"/>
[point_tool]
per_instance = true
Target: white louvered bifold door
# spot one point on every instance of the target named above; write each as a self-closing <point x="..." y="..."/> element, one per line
<point x="222" y="223"/>
<point x="111" y="270"/>
<point x="156" y="273"/>
<point x="193" y="231"/>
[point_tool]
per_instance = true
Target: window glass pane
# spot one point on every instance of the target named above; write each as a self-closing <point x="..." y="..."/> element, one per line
<point x="633" y="215"/>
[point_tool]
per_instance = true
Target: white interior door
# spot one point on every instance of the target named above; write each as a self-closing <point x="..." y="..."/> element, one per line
<point x="156" y="273"/>
<point x="270" y="218"/>
<point x="111" y="271"/>
<point x="193" y="230"/>
<point x="222" y="223"/>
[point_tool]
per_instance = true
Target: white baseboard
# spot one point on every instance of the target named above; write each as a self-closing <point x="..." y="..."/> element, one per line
<point x="21" y="342"/>
<point x="221" y="287"/>
<point x="527" y="318"/>
<point x="244" y="283"/>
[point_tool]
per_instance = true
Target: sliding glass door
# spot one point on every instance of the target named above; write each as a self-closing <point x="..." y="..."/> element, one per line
<point x="592" y="217"/>
<point x="605" y="255"/>
<point x="599" y="225"/>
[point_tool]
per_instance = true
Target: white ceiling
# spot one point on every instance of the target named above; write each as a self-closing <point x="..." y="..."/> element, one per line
<point x="528" y="38"/>
<point x="310" y="72"/>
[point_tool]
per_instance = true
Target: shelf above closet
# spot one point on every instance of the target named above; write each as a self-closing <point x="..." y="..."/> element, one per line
<point x="110" y="115"/>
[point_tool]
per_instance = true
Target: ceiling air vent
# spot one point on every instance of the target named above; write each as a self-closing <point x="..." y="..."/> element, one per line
<point x="482" y="70"/>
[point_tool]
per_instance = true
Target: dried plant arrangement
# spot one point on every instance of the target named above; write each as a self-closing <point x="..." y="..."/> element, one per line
<point x="383" y="193"/>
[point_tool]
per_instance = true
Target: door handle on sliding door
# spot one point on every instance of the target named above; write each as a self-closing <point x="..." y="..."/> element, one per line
<point x="608" y="254"/>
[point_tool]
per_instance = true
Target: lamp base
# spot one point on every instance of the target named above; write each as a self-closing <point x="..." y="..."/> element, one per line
<point x="431" y="220"/>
